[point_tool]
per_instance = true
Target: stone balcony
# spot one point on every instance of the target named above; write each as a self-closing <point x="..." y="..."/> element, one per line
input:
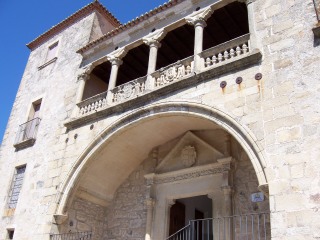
<point x="229" y="56"/>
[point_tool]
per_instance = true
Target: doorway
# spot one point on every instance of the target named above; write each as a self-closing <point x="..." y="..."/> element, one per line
<point x="185" y="210"/>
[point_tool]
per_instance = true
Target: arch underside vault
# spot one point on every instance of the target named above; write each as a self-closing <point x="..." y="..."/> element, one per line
<point x="159" y="140"/>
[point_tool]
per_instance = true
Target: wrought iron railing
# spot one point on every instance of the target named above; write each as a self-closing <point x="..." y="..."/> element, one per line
<point x="27" y="131"/>
<point x="237" y="227"/>
<point x="72" y="236"/>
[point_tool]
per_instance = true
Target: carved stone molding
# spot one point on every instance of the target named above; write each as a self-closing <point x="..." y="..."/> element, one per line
<point x="115" y="56"/>
<point x="171" y="202"/>
<point x="60" y="218"/>
<point x="83" y="77"/>
<point x="189" y="173"/>
<point x="265" y="189"/>
<point x="188" y="156"/>
<point x="115" y="60"/>
<point x="154" y="38"/>
<point x="150" y="202"/>
<point x="199" y="17"/>
<point x="227" y="190"/>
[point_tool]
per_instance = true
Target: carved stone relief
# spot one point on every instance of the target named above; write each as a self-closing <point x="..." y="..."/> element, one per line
<point x="188" y="156"/>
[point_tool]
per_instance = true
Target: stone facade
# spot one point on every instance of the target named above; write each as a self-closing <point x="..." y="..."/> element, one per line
<point x="86" y="170"/>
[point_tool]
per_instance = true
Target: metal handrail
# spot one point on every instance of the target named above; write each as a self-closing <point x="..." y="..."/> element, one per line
<point x="247" y="226"/>
<point x="27" y="130"/>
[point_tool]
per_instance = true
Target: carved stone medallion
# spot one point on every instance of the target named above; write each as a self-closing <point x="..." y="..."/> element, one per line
<point x="188" y="156"/>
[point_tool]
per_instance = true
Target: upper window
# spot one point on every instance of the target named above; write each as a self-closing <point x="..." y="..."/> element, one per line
<point x="52" y="51"/>
<point x="16" y="186"/>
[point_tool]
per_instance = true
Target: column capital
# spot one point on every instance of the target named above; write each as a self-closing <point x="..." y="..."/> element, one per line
<point x="171" y="202"/>
<point x="211" y="196"/>
<point x="115" y="61"/>
<point x="227" y="190"/>
<point x="152" y="43"/>
<point x="199" y="18"/>
<point x="150" y="202"/>
<point x="115" y="56"/>
<point x="153" y="39"/>
<point x="83" y="76"/>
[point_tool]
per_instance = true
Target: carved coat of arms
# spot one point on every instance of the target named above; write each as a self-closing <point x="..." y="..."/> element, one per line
<point x="188" y="156"/>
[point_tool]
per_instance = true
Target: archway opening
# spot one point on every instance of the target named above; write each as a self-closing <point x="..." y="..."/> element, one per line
<point x="115" y="183"/>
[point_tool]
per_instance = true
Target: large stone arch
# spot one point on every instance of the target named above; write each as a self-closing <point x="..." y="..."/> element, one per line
<point x="241" y="133"/>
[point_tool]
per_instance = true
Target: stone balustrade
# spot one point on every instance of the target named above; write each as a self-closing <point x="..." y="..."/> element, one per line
<point x="226" y="51"/>
<point x="93" y="104"/>
<point x="128" y="90"/>
<point x="173" y="72"/>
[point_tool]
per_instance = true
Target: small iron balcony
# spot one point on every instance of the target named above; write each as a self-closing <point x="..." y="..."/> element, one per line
<point x="26" y="135"/>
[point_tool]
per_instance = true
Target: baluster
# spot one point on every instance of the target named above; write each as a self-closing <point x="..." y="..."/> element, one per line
<point x="220" y="57"/>
<point x="104" y="102"/>
<point x="85" y="109"/>
<point x="100" y="103"/>
<point x="114" y="97"/>
<point x="232" y="53"/>
<point x="81" y="111"/>
<point x="214" y="59"/>
<point x="238" y="51"/>
<point x="96" y="105"/>
<point x="188" y="71"/>
<point x="226" y="55"/>
<point x="208" y="62"/>
<point x="245" y="48"/>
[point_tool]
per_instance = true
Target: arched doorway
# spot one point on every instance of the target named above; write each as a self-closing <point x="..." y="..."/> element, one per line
<point x="113" y="174"/>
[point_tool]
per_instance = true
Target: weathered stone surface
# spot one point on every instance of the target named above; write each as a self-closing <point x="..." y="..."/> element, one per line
<point x="279" y="114"/>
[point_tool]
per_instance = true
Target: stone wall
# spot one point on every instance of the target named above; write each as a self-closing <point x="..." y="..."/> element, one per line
<point x="245" y="184"/>
<point x="279" y="112"/>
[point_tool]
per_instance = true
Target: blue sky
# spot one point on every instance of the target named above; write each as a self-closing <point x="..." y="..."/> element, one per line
<point x="23" y="21"/>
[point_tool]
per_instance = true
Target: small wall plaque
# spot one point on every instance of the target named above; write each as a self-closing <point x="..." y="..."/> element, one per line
<point x="257" y="197"/>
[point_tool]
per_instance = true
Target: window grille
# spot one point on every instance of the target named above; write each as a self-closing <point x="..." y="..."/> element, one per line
<point x="16" y="186"/>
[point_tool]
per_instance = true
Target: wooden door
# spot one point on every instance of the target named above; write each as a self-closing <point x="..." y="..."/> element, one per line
<point x="177" y="217"/>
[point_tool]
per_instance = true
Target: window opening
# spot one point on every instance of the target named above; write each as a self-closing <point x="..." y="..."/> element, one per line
<point x="16" y="187"/>
<point x="10" y="233"/>
<point x="52" y="51"/>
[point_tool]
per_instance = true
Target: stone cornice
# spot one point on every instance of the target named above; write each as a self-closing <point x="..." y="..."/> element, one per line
<point x="85" y="11"/>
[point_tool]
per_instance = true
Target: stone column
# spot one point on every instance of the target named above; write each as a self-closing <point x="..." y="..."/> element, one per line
<point x="153" y="41"/>
<point x="115" y="63"/>
<point x="253" y="40"/>
<point x="228" y="210"/>
<point x="198" y="20"/>
<point x="217" y="203"/>
<point x="154" y="46"/>
<point x="150" y="205"/>
<point x="82" y="78"/>
<point x="115" y="59"/>
<point x="170" y="203"/>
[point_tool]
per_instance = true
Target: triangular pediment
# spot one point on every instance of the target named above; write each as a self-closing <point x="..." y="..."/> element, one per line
<point x="189" y="151"/>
